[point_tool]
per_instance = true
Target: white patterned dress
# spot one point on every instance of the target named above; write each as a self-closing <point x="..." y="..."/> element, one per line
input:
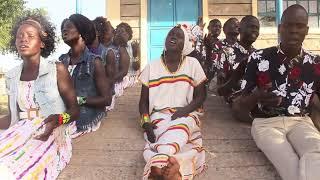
<point x="22" y="156"/>
<point x="180" y="138"/>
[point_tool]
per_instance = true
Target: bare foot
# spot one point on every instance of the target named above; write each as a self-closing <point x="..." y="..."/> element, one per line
<point x="156" y="173"/>
<point x="171" y="171"/>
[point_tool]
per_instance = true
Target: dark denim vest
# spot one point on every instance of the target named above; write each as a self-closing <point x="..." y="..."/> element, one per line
<point x="116" y="51"/>
<point x="101" y="51"/>
<point x="84" y="83"/>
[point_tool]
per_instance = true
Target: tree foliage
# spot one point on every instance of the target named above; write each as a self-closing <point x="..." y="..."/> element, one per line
<point x="10" y="10"/>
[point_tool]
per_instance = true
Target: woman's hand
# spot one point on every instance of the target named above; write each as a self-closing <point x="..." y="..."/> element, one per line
<point x="181" y="112"/>
<point x="135" y="48"/>
<point x="50" y="123"/>
<point x="136" y="65"/>
<point x="148" y="128"/>
<point x="200" y="22"/>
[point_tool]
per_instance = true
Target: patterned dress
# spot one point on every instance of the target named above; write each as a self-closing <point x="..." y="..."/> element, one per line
<point x="22" y="156"/>
<point x="131" y="78"/>
<point x="118" y="87"/>
<point x="101" y="51"/>
<point x="180" y="138"/>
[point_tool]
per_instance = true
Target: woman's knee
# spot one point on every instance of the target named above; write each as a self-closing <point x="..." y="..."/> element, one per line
<point x="166" y="149"/>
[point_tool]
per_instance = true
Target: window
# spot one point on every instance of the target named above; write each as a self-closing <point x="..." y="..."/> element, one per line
<point x="267" y="11"/>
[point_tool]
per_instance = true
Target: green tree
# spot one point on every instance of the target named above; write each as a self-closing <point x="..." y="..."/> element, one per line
<point x="9" y="11"/>
<point x="36" y="11"/>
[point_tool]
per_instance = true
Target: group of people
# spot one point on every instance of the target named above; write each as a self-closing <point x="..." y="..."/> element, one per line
<point x="275" y="89"/>
<point x="51" y="102"/>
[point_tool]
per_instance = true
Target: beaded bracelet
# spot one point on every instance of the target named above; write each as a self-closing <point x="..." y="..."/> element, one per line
<point x="81" y="100"/>
<point x="145" y="118"/>
<point x="63" y="118"/>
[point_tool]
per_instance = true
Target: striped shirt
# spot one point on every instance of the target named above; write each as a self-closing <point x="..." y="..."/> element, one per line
<point x="170" y="90"/>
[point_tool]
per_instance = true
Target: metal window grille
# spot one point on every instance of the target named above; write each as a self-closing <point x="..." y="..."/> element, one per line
<point x="267" y="11"/>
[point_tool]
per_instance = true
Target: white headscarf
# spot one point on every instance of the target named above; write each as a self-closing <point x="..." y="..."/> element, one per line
<point x="188" y="40"/>
<point x="188" y="45"/>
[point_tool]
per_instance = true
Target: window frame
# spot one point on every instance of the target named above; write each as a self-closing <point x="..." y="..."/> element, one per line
<point x="285" y="3"/>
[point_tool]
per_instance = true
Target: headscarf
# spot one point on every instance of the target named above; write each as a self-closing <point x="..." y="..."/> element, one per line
<point x="193" y="34"/>
<point x="196" y="33"/>
<point x="187" y="46"/>
<point x="188" y="40"/>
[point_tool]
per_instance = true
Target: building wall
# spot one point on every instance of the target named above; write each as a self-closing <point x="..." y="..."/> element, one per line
<point x="130" y="13"/>
<point x="134" y="12"/>
<point x="311" y="42"/>
<point x="224" y="9"/>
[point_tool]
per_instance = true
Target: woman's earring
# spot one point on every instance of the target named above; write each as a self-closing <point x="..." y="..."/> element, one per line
<point x="42" y="45"/>
<point x="81" y="38"/>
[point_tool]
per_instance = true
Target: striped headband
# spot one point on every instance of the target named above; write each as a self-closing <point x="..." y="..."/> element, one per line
<point x="37" y="25"/>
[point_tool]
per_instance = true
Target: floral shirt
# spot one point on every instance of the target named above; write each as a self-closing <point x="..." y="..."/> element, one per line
<point x="296" y="80"/>
<point x="214" y="53"/>
<point x="213" y="50"/>
<point x="232" y="57"/>
<point x="222" y="46"/>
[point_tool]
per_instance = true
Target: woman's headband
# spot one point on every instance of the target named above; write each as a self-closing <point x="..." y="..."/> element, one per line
<point x="37" y="25"/>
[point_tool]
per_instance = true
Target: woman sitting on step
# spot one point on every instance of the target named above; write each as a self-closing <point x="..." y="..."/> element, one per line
<point x="172" y="91"/>
<point x="97" y="48"/>
<point x="133" y="50"/>
<point x="118" y="58"/>
<point x="42" y="102"/>
<point x="87" y="71"/>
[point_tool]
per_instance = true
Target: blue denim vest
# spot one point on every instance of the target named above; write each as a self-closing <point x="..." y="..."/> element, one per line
<point x="116" y="51"/>
<point x="101" y="51"/>
<point x="45" y="88"/>
<point x="84" y="83"/>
